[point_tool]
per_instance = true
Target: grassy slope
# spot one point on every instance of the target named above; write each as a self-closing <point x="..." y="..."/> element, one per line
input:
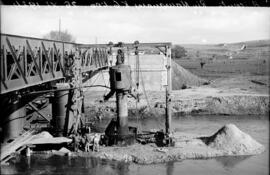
<point x="253" y="60"/>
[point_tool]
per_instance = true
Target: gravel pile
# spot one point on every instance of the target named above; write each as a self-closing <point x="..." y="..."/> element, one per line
<point x="182" y="78"/>
<point x="233" y="141"/>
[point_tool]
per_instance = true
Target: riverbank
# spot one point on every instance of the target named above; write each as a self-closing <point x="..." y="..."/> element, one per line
<point x="201" y="100"/>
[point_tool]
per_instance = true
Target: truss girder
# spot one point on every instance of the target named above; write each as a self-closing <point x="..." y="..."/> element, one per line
<point x="29" y="61"/>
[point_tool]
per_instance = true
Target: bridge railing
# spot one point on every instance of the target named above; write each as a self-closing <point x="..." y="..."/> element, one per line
<point x="93" y="58"/>
<point x="29" y="61"/>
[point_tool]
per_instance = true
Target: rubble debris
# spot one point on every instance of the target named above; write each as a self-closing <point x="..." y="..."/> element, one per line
<point x="62" y="152"/>
<point x="257" y="82"/>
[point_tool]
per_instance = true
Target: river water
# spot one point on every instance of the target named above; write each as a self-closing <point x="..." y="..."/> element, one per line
<point x="256" y="126"/>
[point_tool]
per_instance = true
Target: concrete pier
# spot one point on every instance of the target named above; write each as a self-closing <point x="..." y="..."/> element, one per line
<point x="60" y="109"/>
<point x="13" y="123"/>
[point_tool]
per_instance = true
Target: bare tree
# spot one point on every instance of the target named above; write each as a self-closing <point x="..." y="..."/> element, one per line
<point x="60" y="36"/>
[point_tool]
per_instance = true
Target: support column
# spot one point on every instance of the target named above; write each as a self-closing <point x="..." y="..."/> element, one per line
<point x="168" y="92"/>
<point x="60" y="109"/>
<point x="78" y="93"/>
<point x="122" y="113"/>
<point x="13" y="123"/>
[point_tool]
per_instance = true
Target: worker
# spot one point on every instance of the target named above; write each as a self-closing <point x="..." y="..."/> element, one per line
<point x="76" y="142"/>
<point x="202" y="63"/>
<point x="120" y="59"/>
<point x="88" y="130"/>
<point x="99" y="115"/>
<point x="96" y="142"/>
<point x="103" y="140"/>
<point x="72" y="136"/>
<point x="87" y="143"/>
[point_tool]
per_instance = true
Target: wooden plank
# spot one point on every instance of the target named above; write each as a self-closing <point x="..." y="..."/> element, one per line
<point x="10" y="148"/>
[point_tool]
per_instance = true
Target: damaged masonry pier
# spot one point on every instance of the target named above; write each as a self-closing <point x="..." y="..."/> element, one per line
<point x="29" y="127"/>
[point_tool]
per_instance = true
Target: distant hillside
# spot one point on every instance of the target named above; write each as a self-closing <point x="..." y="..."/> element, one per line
<point x="259" y="49"/>
<point x="255" y="43"/>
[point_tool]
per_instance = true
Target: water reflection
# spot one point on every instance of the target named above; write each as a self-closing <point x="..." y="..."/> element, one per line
<point x="169" y="168"/>
<point x="231" y="161"/>
<point x="37" y="164"/>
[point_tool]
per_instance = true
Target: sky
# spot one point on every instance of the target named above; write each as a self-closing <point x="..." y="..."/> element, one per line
<point x="179" y="25"/>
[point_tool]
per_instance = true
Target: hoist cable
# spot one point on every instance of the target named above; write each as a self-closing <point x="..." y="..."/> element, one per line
<point x="94" y="81"/>
<point x="105" y="91"/>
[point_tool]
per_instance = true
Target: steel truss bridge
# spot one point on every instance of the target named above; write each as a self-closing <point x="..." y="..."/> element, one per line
<point x="29" y="61"/>
<point x="33" y="65"/>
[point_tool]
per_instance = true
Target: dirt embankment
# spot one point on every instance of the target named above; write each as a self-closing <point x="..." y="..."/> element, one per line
<point x="199" y="100"/>
<point x="206" y="100"/>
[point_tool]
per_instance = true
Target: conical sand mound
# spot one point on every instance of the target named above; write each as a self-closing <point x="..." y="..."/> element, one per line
<point x="182" y="77"/>
<point x="233" y="141"/>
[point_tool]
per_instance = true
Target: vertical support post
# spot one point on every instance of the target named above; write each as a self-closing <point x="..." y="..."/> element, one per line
<point x="2" y="74"/>
<point x="137" y="65"/>
<point x="78" y="93"/>
<point x="4" y="64"/>
<point x="122" y="113"/>
<point x="25" y="60"/>
<point x="14" y="122"/>
<point x="60" y="109"/>
<point x="128" y="54"/>
<point x="168" y="91"/>
<point x="110" y="56"/>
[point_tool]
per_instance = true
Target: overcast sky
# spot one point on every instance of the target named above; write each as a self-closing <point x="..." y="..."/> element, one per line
<point x="181" y="25"/>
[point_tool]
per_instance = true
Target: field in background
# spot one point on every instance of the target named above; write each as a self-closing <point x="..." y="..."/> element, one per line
<point x="228" y="66"/>
<point x="244" y="50"/>
<point x="225" y="60"/>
